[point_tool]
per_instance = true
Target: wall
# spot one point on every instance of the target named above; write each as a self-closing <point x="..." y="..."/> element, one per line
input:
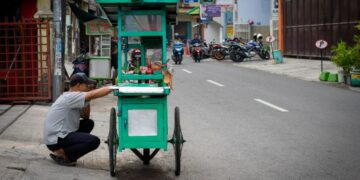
<point x="212" y="32"/>
<point x="182" y="27"/>
<point x="306" y="21"/>
<point x="257" y="10"/>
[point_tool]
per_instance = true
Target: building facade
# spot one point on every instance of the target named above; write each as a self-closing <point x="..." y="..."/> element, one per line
<point x="27" y="50"/>
<point x="258" y="12"/>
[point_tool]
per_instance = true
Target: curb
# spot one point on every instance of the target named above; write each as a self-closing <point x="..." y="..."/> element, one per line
<point x="357" y="89"/>
<point x="4" y="108"/>
<point x="3" y="127"/>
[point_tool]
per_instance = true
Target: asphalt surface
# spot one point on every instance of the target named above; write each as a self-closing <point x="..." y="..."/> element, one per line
<point x="310" y="132"/>
<point x="239" y="123"/>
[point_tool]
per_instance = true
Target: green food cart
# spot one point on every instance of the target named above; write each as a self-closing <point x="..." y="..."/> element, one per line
<point x="140" y="121"/>
<point x="99" y="31"/>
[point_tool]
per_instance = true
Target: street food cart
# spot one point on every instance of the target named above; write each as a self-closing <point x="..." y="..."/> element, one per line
<point x="99" y="31"/>
<point x="140" y="120"/>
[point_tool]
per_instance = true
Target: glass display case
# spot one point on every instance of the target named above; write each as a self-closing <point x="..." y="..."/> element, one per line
<point x="100" y="32"/>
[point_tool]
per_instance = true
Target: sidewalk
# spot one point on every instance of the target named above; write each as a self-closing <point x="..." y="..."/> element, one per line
<point x="304" y="69"/>
<point x="23" y="156"/>
<point x="22" y="153"/>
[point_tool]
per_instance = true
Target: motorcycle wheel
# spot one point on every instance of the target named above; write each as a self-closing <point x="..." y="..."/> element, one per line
<point x="197" y="59"/>
<point x="236" y="57"/>
<point x="219" y="55"/>
<point x="264" y="55"/>
<point x="179" y="59"/>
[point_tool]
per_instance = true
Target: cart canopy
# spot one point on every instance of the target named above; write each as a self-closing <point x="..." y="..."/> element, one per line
<point x="112" y="7"/>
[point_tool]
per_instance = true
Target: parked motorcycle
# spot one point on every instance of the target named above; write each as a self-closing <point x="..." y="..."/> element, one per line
<point x="178" y="52"/>
<point x="206" y="50"/>
<point x="212" y="47"/>
<point x="81" y="65"/>
<point x="249" y="50"/>
<point x="253" y="48"/>
<point x="221" y="52"/>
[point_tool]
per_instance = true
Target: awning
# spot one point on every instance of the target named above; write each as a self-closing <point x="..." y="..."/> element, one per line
<point x="81" y="14"/>
<point x="194" y="11"/>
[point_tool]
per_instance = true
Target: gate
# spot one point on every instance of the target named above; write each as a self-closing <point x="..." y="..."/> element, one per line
<point x="25" y="68"/>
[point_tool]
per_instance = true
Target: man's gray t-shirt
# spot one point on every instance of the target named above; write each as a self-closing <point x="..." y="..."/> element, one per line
<point x="63" y="116"/>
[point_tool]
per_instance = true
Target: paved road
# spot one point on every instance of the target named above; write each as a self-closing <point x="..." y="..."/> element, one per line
<point x="238" y="123"/>
<point x="248" y="124"/>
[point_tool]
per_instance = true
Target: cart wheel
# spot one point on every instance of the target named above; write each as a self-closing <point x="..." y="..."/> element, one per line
<point x="178" y="141"/>
<point x="112" y="141"/>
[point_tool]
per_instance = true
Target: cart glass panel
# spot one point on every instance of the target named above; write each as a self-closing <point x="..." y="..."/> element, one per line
<point x="142" y="122"/>
<point x="140" y="23"/>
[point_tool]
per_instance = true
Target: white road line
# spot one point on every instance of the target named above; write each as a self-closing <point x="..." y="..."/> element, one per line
<point x="207" y="60"/>
<point x="271" y="105"/>
<point x="187" y="71"/>
<point x="216" y="83"/>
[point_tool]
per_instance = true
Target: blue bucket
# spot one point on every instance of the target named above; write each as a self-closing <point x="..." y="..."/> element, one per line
<point x="278" y="56"/>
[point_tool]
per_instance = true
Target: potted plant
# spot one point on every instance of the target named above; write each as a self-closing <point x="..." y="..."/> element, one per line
<point x="355" y="72"/>
<point x="347" y="57"/>
<point x="343" y="58"/>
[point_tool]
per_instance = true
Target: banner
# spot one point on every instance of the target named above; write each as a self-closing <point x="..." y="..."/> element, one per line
<point x="229" y="31"/>
<point x="209" y="11"/>
<point x="204" y="12"/>
<point x="229" y="17"/>
<point x="214" y="11"/>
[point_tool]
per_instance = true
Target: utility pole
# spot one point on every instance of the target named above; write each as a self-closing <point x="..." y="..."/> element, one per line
<point x="58" y="38"/>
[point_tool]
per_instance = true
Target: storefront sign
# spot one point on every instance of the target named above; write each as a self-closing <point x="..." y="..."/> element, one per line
<point x="229" y="31"/>
<point x="98" y="28"/>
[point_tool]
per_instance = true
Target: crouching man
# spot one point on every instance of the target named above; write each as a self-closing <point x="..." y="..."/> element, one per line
<point x="67" y="125"/>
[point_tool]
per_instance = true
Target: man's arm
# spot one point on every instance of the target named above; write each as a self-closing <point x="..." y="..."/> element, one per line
<point x="97" y="93"/>
<point x="86" y="112"/>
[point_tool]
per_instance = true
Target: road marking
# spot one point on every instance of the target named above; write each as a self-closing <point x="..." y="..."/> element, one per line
<point x="271" y="105"/>
<point x="216" y="83"/>
<point x="207" y="60"/>
<point x="187" y="71"/>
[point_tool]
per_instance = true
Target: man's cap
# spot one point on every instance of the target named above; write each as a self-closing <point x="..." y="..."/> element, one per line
<point x="80" y="78"/>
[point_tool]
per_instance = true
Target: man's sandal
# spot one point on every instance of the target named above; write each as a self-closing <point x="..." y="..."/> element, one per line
<point x="61" y="161"/>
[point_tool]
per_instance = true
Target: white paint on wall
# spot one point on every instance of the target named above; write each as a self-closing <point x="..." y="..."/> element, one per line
<point x="212" y="32"/>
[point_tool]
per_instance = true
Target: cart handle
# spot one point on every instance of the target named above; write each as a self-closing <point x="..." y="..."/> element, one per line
<point x="140" y="90"/>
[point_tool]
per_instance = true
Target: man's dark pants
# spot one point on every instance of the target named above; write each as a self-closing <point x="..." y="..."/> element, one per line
<point x="78" y="143"/>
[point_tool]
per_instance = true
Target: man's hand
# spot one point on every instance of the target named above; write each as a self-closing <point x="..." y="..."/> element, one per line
<point x="113" y="87"/>
<point x="96" y="93"/>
